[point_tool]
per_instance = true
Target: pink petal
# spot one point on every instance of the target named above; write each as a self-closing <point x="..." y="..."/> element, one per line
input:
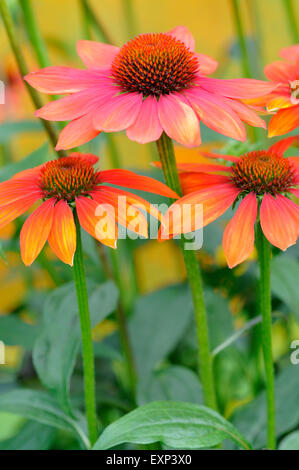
<point x="118" y="113"/>
<point x="147" y="127"/>
<point x="96" y="55"/>
<point x="245" y="113"/>
<point x="60" y="80"/>
<point x="238" y="237"/>
<point x="240" y="88"/>
<point x="77" y="132"/>
<point x="279" y="220"/>
<point x="214" y="113"/>
<point x="280" y="71"/>
<point x="290" y="53"/>
<point x="178" y="120"/>
<point x="183" y="34"/>
<point x="207" y="64"/>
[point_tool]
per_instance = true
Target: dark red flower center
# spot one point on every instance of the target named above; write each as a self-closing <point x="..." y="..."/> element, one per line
<point x="264" y="172"/>
<point x="67" y="178"/>
<point x="154" y="64"/>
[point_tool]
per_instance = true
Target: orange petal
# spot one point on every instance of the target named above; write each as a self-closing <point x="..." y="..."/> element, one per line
<point x="284" y="121"/>
<point x="191" y="182"/>
<point x="13" y="210"/>
<point x="280" y="71"/>
<point x="129" y="179"/>
<point x="77" y="132"/>
<point x="238" y="237"/>
<point x="102" y="228"/>
<point x="282" y="145"/>
<point x="62" y="237"/>
<point x="17" y="189"/>
<point x="86" y="157"/>
<point x="279" y="220"/>
<point x="290" y="53"/>
<point x="35" y="231"/>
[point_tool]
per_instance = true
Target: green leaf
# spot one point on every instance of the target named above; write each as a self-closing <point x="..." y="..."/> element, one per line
<point x="168" y="310"/>
<point x="178" y="425"/>
<point x="284" y="281"/>
<point x="15" y="332"/>
<point x="9" y="129"/>
<point x="290" y="442"/>
<point x="35" y="158"/>
<point x="41" y="407"/>
<point x="56" y="348"/>
<point x="251" y="419"/>
<point x="174" y="383"/>
<point x="32" y="436"/>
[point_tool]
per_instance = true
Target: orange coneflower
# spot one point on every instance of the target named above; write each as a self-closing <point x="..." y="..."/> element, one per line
<point x="262" y="181"/>
<point x="65" y="184"/>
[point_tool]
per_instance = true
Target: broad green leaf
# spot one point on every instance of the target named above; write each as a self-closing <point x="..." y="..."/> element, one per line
<point x="175" y="424"/>
<point x="9" y="129"/>
<point x="32" y="436"/>
<point x="251" y="419"/>
<point x="35" y="158"/>
<point x="284" y="281"/>
<point x="174" y="383"/>
<point x="290" y="442"/>
<point x="41" y="407"/>
<point x="157" y="324"/>
<point x="56" y="348"/>
<point x="15" y="332"/>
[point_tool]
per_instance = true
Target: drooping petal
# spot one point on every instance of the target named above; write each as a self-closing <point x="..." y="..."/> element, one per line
<point x="11" y="211"/>
<point x="178" y="120"/>
<point x="86" y="157"/>
<point x="18" y="188"/>
<point x="245" y="113"/>
<point x="290" y="53"/>
<point x="279" y="220"/>
<point x="214" y="113"/>
<point x="117" y="113"/>
<point x="129" y="179"/>
<point x="239" y="88"/>
<point x="215" y="201"/>
<point x="183" y="34"/>
<point x="238" y="237"/>
<point x="30" y="175"/>
<point x="280" y="71"/>
<point x="90" y="219"/>
<point x="35" y="231"/>
<point x="62" y="237"/>
<point x="147" y="127"/>
<point x="295" y="192"/>
<point x="207" y="64"/>
<point x="77" y="132"/>
<point x="61" y="80"/>
<point x="203" y="168"/>
<point x="96" y="55"/>
<point x="282" y="145"/>
<point x="191" y="182"/>
<point x="284" y="121"/>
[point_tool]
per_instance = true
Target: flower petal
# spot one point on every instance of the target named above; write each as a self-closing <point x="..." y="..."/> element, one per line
<point x="96" y="55"/>
<point x="87" y="210"/>
<point x="178" y="120"/>
<point x="16" y="189"/>
<point x="279" y="220"/>
<point x="238" y="237"/>
<point x="183" y="34"/>
<point x="207" y="64"/>
<point x="61" y="80"/>
<point x="62" y="237"/>
<point x="129" y="179"/>
<point x="214" y="113"/>
<point x="16" y="208"/>
<point x="280" y="71"/>
<point x="86" y="157"/>
<point x="284" y="121"/>
<point x="245" y="113"/>
<point x="290" y="53"/>
<point x="282" y="145"/>
<point x="191" y="182"/>
<point x="239" y="88"/>
<point x="117" y="113"/>
<point x="77" y="132"/>
<point x="35" y="231"/>
<point x="147" y="127"/>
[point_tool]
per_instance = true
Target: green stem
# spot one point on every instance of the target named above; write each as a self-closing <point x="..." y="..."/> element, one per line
<point x="291" y="16"/>
<point x="9" y="27"/>
<point x="95" y="22"/>
<point x="130" y="17"/>
<point x="241" y="37"/>
<point x="167" y="157"/>
<point x="264" y="256"/>
<point x="87" y="347"/>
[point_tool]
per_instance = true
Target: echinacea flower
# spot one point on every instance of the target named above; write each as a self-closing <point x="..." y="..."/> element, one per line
<point x="154" y="83"/>
<point x="284" y="100"/>
<point x="68" y="183"/>
<point x="263" y="181"/>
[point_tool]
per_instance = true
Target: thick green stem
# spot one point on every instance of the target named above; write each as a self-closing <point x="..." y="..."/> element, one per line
<point x="87" y="347"/>
<point x="264" y="256"/>
<point x="167" y="157"/>
<point x="291" y="16"/>
<point x="130" y="17"/>
<point x="10" y="30"/>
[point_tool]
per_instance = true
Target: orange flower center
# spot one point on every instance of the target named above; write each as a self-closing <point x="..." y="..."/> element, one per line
<point x="264" y="172"/>
<point x="154" y="64"/>
<point x="67" y="178"/>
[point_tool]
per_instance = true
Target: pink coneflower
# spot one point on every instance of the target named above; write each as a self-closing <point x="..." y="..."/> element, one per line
<point x="154" y="83"/>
